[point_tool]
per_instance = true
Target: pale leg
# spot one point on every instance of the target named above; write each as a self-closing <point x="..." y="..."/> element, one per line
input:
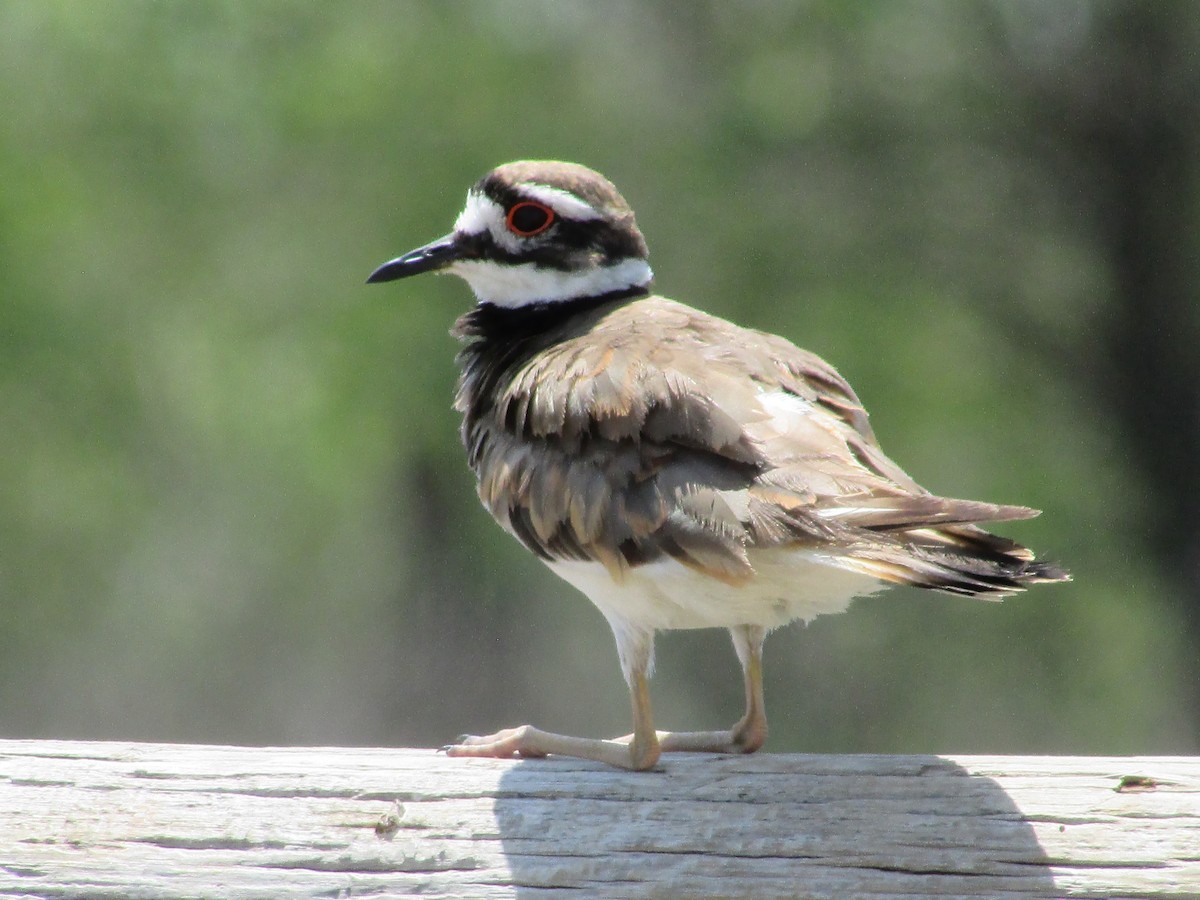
<point x="750" y="731"/>
<point x="639" y="750"/>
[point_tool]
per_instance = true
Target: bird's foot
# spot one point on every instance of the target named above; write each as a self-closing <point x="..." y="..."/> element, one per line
<point x="505" y="744"/>
<point x="525" y="741"/>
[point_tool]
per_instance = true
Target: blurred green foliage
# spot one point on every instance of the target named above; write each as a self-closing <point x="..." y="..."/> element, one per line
<point x="233" y="507"/>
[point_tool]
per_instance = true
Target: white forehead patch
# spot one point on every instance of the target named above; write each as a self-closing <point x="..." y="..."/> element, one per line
<point x="479" y="215"/>
<point x="562" y="202"/>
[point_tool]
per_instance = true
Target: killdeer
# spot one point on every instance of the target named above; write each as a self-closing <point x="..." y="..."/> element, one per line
<point x="679" y="470"/>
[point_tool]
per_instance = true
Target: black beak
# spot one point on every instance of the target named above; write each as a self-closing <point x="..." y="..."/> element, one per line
<point x="430" y="258"/>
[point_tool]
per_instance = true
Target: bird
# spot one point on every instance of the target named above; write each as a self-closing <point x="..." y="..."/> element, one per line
<point x="679" y="470"/>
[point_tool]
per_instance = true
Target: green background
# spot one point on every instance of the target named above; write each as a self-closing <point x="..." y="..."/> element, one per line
<point x="233" y="506"/>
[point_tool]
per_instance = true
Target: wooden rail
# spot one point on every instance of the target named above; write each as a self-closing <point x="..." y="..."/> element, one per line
<point x="118" y="820"/>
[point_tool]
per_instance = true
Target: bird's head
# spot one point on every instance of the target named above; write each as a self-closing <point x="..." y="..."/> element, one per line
<point x="537" y="232"/>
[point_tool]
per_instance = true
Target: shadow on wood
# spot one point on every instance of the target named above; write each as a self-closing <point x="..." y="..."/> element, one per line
<point x="770" y="826"/>
<point x="109" y="820"/>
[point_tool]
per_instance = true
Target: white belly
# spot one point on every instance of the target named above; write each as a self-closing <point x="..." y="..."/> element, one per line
<point x="790" y="585"/>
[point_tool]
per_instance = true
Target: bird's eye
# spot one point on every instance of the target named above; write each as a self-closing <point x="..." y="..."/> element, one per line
<point x="528" y="218"/>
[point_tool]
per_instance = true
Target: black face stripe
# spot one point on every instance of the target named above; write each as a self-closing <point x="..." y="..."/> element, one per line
<point x="566" y="245"/>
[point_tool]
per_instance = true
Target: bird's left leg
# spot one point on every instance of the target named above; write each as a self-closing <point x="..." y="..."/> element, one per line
<point x="750" y="731"/>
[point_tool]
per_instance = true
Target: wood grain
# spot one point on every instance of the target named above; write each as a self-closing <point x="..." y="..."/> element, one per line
<point x="124" y="820"/>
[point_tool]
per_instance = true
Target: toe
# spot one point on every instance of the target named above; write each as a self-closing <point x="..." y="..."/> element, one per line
<point x="504" y="744"/>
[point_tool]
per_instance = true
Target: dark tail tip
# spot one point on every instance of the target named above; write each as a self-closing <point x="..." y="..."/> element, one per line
<point x="1042" y="571"/>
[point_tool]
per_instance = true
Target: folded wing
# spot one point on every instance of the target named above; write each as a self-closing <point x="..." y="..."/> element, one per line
<point x="670" y="433"/>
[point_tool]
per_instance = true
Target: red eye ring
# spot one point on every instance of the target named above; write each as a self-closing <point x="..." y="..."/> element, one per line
<point x="528" y="217"/>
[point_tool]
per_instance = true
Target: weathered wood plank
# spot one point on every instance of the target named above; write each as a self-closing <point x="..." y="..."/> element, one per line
<point x="116" y="820"/>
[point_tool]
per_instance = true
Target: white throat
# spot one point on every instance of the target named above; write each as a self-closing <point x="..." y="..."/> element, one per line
<point x="525" y="284"/>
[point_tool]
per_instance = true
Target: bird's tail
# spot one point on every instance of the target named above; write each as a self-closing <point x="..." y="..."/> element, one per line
<point x="961" y="559"/>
